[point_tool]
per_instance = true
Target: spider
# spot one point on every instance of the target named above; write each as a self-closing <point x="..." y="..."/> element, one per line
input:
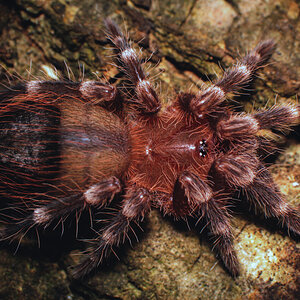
<point x="71" y="146"/>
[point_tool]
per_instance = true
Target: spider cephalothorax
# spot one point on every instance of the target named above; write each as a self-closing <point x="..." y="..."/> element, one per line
<point x="68" y="146"/>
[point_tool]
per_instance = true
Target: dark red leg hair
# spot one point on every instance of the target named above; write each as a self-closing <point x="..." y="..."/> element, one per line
<point x="217" y="218"/>
<point x="56" y="209"/>
<point x="59" y="209"/>
<point x="136" y="205"/>
<point x="146" y="98"/>
<point x="264" y="193"/>
<point x="196" y="190"/>
<point x="88" y="90"/>
<point x="102" y="192"/>
<point x="213" y="210"/>
<point x="233" y="80"/>
<point x="238" y="169"/>
<point x="279" y="118"/>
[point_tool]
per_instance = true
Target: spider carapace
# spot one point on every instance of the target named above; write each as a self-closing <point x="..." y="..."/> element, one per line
<point x="71" y="146"/>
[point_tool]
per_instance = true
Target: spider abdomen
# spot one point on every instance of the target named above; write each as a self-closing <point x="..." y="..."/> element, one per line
<point x="59" y="141"/>
<point x="95" y="143"/>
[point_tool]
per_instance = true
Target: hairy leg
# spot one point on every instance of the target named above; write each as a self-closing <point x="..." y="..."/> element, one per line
<point x="239" y="165"/>
<point x="146" y="99"/>
<point x="218" y="225"/>
<point x="264" y="193"/>
<point x="136" y="205"/>
<point x="203" y="202"/>
<point x="196" y="190"/>
<point x="279" y="118"/>
<point x="233" y="80"/>
<point x="59" y="208"/>
<point x="237" y="168"/>
<point x="94" y="91"/>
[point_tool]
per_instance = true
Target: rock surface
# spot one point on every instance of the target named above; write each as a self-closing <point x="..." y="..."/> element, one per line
<point x="189" y="42"/>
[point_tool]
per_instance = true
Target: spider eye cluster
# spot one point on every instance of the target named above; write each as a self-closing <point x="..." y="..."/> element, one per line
<point x="202" y="148"/>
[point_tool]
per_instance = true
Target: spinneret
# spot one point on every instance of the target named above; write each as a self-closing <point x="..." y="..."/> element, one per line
<point x="72" y="146"/>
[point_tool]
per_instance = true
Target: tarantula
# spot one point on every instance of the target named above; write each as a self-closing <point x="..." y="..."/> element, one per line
<point x="70" y="146"/>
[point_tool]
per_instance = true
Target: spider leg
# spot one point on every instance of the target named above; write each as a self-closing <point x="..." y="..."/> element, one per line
<point x="239" y="127"/>
<point x="196" y="190"/>
<point x="136" y="205"/>
<point x="146" y="98"/>
<point x="59" y="208"/>
<point x="90" y="90"/>
<point x="233" y="80"/>
<point x="217" y="218"/>
<point x="263" y="192"/>
<point x="238" y="169"/>
<point x="238" y="165"/>
<point x="279" y="118"/>
<point x="200" y="198"/>
<point x="241" y="168"/>
<point x="238" y="76"/>
<point x="41" y="216"/>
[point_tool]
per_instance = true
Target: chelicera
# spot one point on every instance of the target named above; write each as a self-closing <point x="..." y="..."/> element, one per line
<point x="69" y="146"/>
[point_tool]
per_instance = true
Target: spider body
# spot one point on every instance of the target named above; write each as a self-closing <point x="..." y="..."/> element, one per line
<point x="164" y="149"/>
<point x="68" y="146"/>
